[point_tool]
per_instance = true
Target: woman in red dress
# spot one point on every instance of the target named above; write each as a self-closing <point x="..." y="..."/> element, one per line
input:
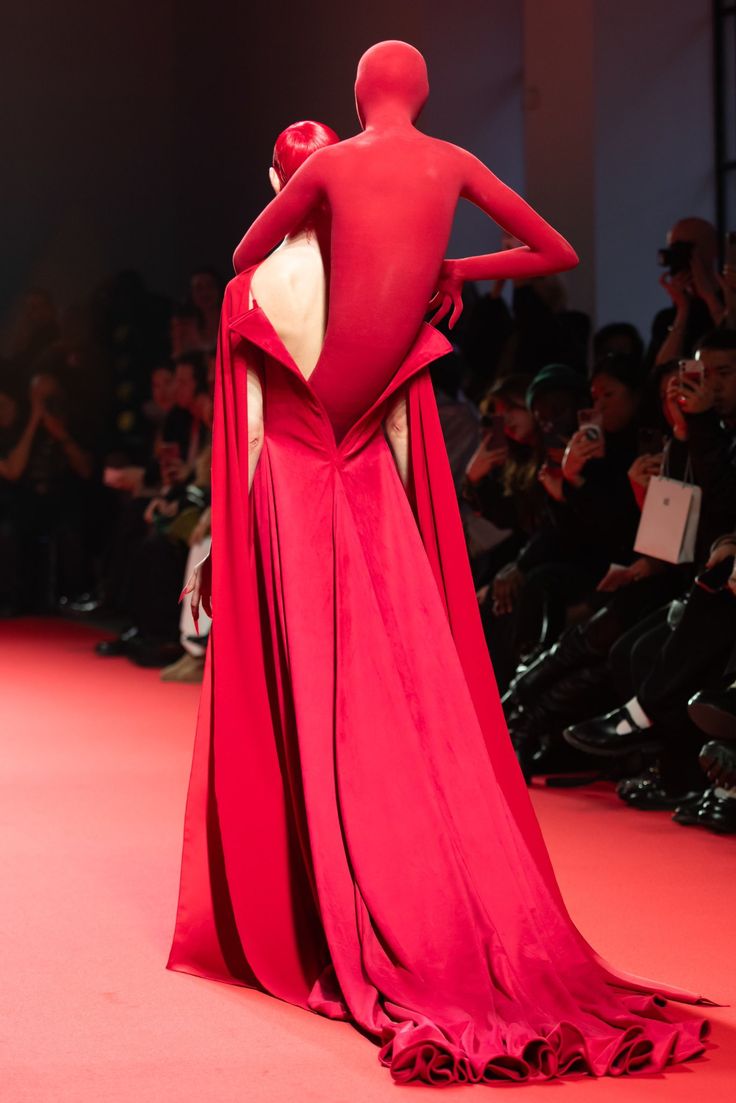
<point x="358" y="838"/>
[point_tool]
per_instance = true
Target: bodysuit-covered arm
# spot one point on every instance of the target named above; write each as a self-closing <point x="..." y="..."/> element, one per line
<point x="544" y="250"/>
<point x="284" y="214"/>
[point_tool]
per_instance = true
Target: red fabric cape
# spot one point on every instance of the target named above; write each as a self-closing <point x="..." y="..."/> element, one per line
<point x="235" y="900"/>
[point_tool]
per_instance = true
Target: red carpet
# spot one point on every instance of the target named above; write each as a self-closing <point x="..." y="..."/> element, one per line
<point x="94" y="771"/>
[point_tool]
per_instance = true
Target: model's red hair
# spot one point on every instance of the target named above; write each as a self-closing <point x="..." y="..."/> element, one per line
<point x="296" y="143"/>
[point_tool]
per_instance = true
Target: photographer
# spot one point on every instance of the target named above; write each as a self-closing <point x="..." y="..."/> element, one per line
<point x="693" y="284"/>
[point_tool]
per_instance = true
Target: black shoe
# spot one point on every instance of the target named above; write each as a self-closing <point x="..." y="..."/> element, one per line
<point x="690" y="813"/>
<point x="720" y="816"/>
<point x="600" y="735"/>
<point x="120" y="645"/>
<point x="650" y="776"/>
<point x="658" y="798"/>
<point x="718" y="760"/>
<point x="714" y="711"/>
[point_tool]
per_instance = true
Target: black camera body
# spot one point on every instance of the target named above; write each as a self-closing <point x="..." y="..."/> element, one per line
<point x="676" y="256"/>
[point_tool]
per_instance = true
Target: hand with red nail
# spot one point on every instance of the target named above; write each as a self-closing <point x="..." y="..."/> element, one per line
<point x="199" y="586"/>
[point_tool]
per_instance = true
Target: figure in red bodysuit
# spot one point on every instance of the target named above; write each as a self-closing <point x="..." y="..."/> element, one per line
<point x="359" y="839"/>
<point x="392" y="193"/>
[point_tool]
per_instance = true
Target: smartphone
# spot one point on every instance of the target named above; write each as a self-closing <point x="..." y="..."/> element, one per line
<point x="690" y="370"/>
<point x="493" y="427"/>
<point x="590" y="422"/>
<point x="715" y="578"/>
<point x="651" y="441"/>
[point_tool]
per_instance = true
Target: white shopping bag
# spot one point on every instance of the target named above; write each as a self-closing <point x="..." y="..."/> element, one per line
<point x="669" y="520"/>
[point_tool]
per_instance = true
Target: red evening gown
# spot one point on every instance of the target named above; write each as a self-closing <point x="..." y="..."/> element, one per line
<point x="358" y="837"/>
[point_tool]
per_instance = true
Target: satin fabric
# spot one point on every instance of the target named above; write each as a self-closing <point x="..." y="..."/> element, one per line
<point x="358" y="837"/>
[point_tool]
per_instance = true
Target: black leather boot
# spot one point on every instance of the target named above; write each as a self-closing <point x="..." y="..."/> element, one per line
<point x="571" y="652"/>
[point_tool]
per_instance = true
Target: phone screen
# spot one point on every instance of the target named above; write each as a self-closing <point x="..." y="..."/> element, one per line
<point x="691" y="370"/>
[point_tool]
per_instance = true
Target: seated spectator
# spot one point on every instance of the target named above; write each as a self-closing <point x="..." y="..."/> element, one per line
<point x="699" y="645"/>
<point x="131" y="486"/>
<point x="709" y="406"/>
<point x="593" y="510"/>
<point x="157" y="567"/>
<point x="183" y="432"/>
<point x="571" y="679"/>
<point x="500" y="479"/>
<point x="553" y="398"/>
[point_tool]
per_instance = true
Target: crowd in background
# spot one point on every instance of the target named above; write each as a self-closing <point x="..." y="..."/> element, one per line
<point x="612" y="663"/>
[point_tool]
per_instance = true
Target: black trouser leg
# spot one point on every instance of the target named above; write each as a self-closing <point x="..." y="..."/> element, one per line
<point x="690" y="657"/>
<point x="694" y="655"/>
<point x="157" y="580"/>
<point x="625" y="664"/>
<point x="627" y="607"/>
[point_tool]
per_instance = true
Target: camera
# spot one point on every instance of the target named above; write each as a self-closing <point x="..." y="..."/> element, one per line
<point x="676" y="256"/>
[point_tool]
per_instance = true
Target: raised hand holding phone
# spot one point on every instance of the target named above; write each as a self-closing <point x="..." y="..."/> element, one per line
<point x="693" y="391"/>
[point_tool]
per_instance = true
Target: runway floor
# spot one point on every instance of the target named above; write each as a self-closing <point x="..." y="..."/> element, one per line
<point x="95" y="765"/>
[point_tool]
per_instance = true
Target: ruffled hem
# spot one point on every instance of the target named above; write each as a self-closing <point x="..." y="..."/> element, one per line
<point x="422" y="1054"/>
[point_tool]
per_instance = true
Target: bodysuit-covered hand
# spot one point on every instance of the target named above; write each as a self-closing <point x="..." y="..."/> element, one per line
<point x="392" y="193"/>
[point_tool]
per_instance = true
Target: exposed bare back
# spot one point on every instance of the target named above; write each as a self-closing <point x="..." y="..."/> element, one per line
<point x="289" y="286"/>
